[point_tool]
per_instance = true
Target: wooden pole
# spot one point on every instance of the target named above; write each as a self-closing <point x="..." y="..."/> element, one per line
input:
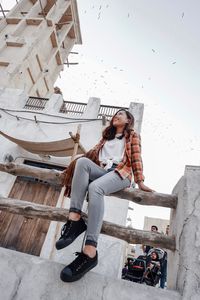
<point x="132" y="236"/>
<point x="61" y="196"/>
<point x="147" y="198"/>
<point x="43" y="12"/>
<point x="51" y="176"/>
<point x="76" y="141"/>
<point x="79" y="144"/>
<point x="56" y="177"/>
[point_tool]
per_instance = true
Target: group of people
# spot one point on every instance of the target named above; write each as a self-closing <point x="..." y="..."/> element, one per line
<point x="150" y="267"/>
<point x="153" y="256"/>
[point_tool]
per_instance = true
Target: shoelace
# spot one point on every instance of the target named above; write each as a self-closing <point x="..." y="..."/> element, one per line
<point x="66" y="228"/>
<point x="79" y="261"/>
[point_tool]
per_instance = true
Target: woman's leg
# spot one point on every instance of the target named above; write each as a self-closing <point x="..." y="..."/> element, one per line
<point x="85" y="171"/>
<point x="105" y="185"/>
<point x="88" y="259"/>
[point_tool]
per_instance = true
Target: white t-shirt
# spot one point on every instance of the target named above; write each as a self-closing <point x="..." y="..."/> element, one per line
<point x="112" y="152"/>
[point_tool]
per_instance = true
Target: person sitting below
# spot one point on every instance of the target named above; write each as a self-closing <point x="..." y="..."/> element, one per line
<point x="146" y="248"/>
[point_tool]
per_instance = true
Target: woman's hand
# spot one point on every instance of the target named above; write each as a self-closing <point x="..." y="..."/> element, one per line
<point x="143" y="187"/>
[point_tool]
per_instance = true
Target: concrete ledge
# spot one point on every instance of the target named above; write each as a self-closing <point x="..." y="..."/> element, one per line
<point x="24" y="276"/>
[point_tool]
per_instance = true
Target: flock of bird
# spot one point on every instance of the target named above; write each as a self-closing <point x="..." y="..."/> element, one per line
<point x="99" y="9"/>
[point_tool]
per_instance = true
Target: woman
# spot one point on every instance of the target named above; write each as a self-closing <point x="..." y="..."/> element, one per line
<point x="106" y="169"/>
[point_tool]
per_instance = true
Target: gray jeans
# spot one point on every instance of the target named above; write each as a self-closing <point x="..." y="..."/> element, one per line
<point x="98" y="182"/>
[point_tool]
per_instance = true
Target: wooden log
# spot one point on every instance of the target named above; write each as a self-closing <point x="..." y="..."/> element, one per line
<point x="56" y="177"/>
<point x="79" y="144"/>
<point x="51" y="176"/>
<point x="132" y="236"/>
<point x="147" y="198"/>
<point x="76" y="142"/>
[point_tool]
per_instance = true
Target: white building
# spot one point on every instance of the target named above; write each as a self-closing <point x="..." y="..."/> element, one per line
<point x="36" y="38"/>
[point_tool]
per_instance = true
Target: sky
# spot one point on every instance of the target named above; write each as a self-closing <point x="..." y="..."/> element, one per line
<point x="145" y="51"/>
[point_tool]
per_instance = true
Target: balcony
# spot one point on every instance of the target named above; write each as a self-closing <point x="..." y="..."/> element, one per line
<point x="71" y="108"/>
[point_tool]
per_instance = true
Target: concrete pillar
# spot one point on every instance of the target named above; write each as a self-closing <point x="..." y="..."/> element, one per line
<point x="184" y="263"/>
<point x="92" y="108"/>
<point x="54" y="104"/>
<point x="137" y="110"/>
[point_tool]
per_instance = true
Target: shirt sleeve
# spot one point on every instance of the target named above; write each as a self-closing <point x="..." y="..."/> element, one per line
<point x="136" y="158"/>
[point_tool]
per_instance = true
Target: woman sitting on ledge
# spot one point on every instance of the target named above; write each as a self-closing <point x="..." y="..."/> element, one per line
<point x="105" y="169"/>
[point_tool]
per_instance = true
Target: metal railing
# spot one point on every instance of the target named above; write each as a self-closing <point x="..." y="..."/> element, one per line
<point x="36" y="103"/>
<point x="78" y="108"/>
<point x="75" y="109"/>
<point x="108" y="111"/>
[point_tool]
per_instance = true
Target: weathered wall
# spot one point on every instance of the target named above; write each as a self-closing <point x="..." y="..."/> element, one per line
<point x="184" y="263"/>
<point x="28" y="277"/>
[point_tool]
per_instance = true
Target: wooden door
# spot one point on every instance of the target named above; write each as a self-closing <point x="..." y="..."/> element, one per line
<point x="27" y="234"/>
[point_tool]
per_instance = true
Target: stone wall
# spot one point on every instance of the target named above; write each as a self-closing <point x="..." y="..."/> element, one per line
<point x="184" y="263"/>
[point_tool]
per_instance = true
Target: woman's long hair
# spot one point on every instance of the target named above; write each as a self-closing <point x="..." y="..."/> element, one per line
<point x="110" y="131"/>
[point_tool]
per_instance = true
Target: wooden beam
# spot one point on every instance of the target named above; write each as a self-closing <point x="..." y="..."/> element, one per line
<point x="71" y="33"/>
<point x="14" y="44"/>
<point x="132" y="236"/>
<point x="4" y="63"/>
<point x="133" y="195"/>
<point x="74" y="139"/>
<point x="33" y="1"/>
<point x="51" y="176"/>
<point x="13" y="20"/>
<point x="45" y="82"/>
<point x="43" y="11"/>
<point x="34" y="22"/>
<point x="39" y="62"/>
<point x="58" y="58"/>
<point x="71" y="64"/>
<point x="53" y="40"/>
<point x="31" y="76"/>
<point x="147" y="198"/>
<point x="49" y="23"/>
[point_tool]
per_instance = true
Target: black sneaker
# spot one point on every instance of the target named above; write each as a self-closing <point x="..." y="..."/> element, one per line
<point x="69" y="232"/>
<point x="79" y="267"/>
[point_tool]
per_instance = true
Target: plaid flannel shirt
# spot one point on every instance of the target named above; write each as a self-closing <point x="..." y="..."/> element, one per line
<point x="132" y="160"/>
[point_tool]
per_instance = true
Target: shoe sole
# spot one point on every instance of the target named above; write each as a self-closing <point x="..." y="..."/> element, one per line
<point x="77" y="277"/>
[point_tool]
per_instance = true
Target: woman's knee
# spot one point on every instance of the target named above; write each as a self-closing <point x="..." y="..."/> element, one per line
<point x="95" y="188"/>
<point x="82" y="162"/>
